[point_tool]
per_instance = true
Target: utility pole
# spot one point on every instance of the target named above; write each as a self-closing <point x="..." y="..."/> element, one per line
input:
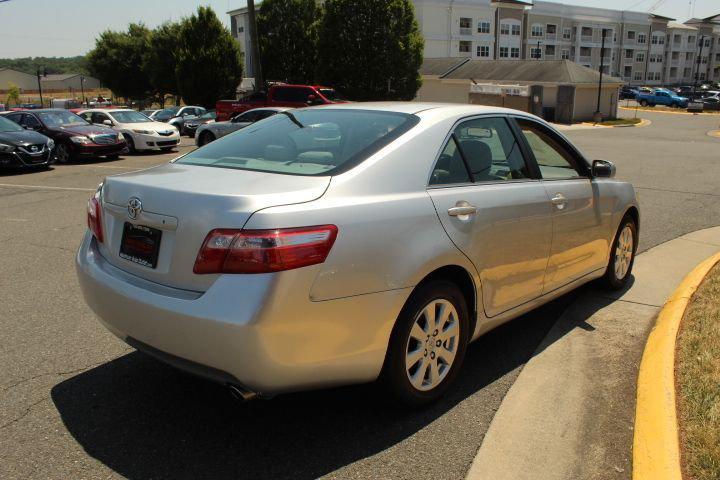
<point x="254" y="46"/>
<point x="82" y="88"/>
<point x="697" y="72"/>
<point x="602" y="67"/>
<point x="40" y="85"/>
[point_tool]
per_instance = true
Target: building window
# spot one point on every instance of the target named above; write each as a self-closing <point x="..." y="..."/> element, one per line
<point x="464" y="46"/>
<point x="654" y="40"/>
<point x="707" y="42"/>
<point x="536" y="53"/>
<point x="537" y="31"/>
<point x="638" y="76"/>
<point x="673" y="72"/>
<point x="704" y="60"/>
<point x="656" y="58"/>
<point x="627" y="72"/>
<point x="687" y="72"/>
<point x="631" y="35"/>
<point x="689" y="56"/>
<point x="551" y="29"/>
<point x="465" y="26"/>
<point x="550" y="50"/>
<point x="661" y="40"/>
<point x="677" y="39"/>
<point x="504" y="29"/>
<point x="515" y="52"/>
<point x="504" y="52"/>
<point x="691" y="40"/>
<point x="566" y="54"/>
<point x="483" y="51"/>
<point x="586" y="32"/>
<point x="629" y="54"/>
<point x="640" y="57"/>
<point x="567" y="33"/>
<point x="241" y="29"/>
<point x="483" y="26"/>
<point x="516" y="30"/>
<point x="717" y="57"/>
<point x="702" y="75"/>
<point x="641" y="38"/>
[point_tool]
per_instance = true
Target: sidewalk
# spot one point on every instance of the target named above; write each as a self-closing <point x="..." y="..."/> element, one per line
<point x="570" y="414"/>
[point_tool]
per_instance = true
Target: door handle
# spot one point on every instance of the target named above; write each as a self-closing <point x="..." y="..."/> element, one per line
<point x="559" y="200"/>
<point x="462" y="209"/>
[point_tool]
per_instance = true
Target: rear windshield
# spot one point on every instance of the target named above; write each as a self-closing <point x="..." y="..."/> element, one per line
<point x="314" y="142"/>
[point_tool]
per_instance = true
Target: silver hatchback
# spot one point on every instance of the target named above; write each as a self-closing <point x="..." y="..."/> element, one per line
<point x="350" y="243"/>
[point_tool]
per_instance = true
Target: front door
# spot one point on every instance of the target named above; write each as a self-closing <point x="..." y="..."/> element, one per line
<point x="580" y="228"/>
<point x="495" y="210"/>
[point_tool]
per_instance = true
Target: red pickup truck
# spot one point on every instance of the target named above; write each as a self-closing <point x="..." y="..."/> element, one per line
<point x="294" y="96"/>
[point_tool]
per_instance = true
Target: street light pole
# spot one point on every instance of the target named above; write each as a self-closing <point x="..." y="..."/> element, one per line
<point x="254" y="46"/>
<point x="602" y="67"/>
<point x="697" y="71"/>
<point x="82" y="88"/>
<point x="40" y="88"/>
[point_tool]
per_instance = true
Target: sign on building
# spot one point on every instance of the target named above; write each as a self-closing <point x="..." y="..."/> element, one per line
<point x="502" y="90"/>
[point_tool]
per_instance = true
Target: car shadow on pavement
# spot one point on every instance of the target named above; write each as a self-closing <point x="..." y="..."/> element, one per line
<point x="145" y="420"/>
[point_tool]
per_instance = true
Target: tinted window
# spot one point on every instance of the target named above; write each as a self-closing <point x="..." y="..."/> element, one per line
<point x="98" y="118"/>
<point x="9" y="126"/>
<point x="331" y="95"/>
<point x="292" y="95"/>
<point x="31" y="121"/>
<point x="17" y="118"/>
<point x="305" y="142"/>
<point x="554" y="159"/>
<point x="490" y="149"/>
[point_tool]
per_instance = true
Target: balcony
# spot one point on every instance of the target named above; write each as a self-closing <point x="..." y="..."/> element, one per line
<point x="586" y="39"/>
<point x="466" y="31"/>
<point x="551" y="36"/>
<point x="584" y="59"/>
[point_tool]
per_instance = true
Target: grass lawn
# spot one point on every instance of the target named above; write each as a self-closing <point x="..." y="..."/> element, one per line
<point x="698" y="382"/>
<point x="622" y="121"/>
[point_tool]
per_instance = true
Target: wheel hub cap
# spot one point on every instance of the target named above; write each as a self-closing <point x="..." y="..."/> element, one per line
<point x="624" y="252"/>
<point x="432" y="345"/>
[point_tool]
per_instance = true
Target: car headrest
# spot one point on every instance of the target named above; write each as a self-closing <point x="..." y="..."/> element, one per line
<point x="478" y="155"/>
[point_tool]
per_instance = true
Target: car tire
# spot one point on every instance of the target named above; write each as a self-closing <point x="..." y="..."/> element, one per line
<point x="643" y="103"/>
<point x="424" y="358"/>
<point x="131" y="144"/>
<point x="62" y="153"/>
<point x="622" y="255"/>
<point x="113" y="157"/>
<point x="205" y="138"/>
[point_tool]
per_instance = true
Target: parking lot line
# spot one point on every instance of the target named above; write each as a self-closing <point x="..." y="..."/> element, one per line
<point x="43" y="187"/>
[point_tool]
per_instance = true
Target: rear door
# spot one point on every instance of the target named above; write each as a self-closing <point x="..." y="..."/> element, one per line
<point x="495" y="209"/>
<point x="580" y="228"/>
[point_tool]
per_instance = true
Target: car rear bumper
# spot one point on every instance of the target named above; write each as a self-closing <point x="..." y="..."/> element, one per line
<point x="261" y="332"/>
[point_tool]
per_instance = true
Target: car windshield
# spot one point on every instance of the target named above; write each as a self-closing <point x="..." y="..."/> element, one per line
<point x="331" y="95"/>
<point x="208" y="116"/>
<point x="61" y="119"/>
<point x="317" y="142"/>
<point x="129" y="116"/>
<point x="167" y="113"/>
<point x="7" y="125"/>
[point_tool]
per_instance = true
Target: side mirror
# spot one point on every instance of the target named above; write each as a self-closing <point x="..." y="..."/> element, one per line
<point x="108" y="123"/>
<point x="603" y="169"/>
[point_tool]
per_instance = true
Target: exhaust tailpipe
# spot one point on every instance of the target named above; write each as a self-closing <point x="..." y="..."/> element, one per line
<point x="241" y="393"/>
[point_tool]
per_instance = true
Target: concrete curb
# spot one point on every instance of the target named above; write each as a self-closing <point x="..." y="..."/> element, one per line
<point x="714" y="133"/>
<point x="643" y="109"/>
<point x="571" y="412"/>
<point x="656" y="448"/>
<point x="643" y="123"/>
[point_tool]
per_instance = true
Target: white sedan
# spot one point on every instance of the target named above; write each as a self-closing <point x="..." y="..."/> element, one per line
<point x="141" y="132"/>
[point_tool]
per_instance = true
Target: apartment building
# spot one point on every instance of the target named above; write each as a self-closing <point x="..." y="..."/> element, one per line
<point x="640" y="48"/>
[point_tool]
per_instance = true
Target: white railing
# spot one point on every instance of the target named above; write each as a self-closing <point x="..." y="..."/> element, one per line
<point x="551" y="36"/>
<point x="465" y="31"/>
<point x="586" y="38"/>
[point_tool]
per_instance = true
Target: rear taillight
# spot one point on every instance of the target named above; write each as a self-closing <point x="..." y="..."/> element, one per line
<point x="94" y="218"/>
<point x="264" y="251"/>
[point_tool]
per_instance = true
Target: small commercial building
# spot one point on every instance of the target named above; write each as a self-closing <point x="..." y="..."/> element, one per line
<point x="21" y="80"/>
<point x="557" y="90"/>
<point x="69" y="82"/>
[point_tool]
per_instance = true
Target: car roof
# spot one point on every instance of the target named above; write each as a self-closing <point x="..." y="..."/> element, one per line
<point x="413" y="108"/>
<point x="272" y="109"/>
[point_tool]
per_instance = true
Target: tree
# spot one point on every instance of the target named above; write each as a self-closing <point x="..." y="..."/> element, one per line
<point x="117" y="61"/>
<point x="370" y="49"/>
<point x="160" y="60"/>
<point x="13" y="94"/>
<point x="209" y="66"/>
<point x="288" y="48"/>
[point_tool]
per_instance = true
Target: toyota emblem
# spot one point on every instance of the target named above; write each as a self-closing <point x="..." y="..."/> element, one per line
<point x="134" y="207"/>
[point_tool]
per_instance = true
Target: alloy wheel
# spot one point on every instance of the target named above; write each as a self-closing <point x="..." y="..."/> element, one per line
<point x="624" y="252"/>
<point x="432" y="345"/>
<point x="61" y="154"/>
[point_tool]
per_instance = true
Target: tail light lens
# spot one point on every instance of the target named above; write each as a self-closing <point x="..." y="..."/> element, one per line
<point x="264" y="251"/>
<point x="94" y="218"/>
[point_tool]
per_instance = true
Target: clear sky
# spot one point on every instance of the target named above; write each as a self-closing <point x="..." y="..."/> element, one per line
<point x="46" y="28"/>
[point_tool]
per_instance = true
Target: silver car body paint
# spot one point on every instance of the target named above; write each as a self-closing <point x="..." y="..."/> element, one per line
<point x="329" y="324"/>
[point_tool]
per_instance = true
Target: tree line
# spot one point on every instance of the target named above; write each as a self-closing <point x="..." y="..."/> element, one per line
<point x="195" y="58"/>
<point x="366" y="49"/>
<point x="49" y="65"/>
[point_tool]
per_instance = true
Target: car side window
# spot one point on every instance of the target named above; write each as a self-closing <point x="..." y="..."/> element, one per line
<point x="87" y="116"/>
<point x="30" y="121"/>
<point x="481" y="150"/>
<point x="98" y="118"/>
<point x="554" y="159"/>
<point x="246" y="117"/>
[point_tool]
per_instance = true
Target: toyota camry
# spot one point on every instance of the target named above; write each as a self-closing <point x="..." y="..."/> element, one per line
<point x="352" y="243"/>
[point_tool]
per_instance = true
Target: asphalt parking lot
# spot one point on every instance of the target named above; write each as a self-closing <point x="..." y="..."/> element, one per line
<point x="78" y="403"/>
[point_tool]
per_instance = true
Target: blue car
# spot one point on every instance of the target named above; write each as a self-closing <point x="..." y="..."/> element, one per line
<point x="662" y="96"/>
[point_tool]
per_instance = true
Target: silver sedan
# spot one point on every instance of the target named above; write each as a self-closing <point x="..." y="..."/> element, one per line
<point x="210" y="132"/>
<point x="352" y="243"/>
